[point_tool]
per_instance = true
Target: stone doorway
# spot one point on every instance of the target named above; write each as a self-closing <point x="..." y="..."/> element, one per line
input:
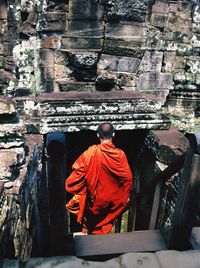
<point x="62" y="149"/>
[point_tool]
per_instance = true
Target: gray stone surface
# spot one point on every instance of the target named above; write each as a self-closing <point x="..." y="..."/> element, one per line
<point x="86" y="9"/>
<point x="126" y="10"/>
<point x="120" y="64"/>
<point x="154" y="81"/>
<point x="148" y="48"/>
<point x="167" y="145"/>
<point x="160" y="259"/>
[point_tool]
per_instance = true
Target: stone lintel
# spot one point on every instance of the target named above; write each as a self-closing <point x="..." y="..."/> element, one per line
<point x="74" y="111"/>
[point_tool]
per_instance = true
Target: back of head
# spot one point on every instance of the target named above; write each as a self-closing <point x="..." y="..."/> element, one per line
<point x="105" y="131"/>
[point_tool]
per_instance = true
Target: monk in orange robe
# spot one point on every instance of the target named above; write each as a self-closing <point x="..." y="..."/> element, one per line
<point x="101" y="182"/>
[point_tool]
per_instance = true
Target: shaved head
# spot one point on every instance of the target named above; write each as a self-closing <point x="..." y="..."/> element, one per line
<point x="105" y="131"/>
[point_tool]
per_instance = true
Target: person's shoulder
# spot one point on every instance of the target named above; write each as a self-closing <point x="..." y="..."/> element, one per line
<point x="91" y="149"/>
<point x="120" y="152"/>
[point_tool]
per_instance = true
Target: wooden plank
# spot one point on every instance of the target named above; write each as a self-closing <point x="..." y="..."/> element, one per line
<point x="140" y="241"/>
<point x="156" y="202"/>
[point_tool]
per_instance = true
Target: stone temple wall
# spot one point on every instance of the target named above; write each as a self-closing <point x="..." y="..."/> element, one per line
<point x="78" y="62"/>
<point x="145" y="46"/>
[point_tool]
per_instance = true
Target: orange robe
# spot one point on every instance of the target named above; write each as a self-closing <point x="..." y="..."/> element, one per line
<point x="101" y="181"/>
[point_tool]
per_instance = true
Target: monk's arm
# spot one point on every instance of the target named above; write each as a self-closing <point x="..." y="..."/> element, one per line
<point x="75" y="183"/>
<point x="127" y="177"/>
<point x="127" y="174"/>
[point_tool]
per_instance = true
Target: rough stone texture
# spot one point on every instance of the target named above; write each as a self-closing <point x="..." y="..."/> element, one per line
<point x="85" y="10"/>
<point x="148" y="51"/>
<point x="164" y="259"/>
<point x="52" y="21"/>
<point x="20" y="222"/>
<point x="10" y="162"/>
<point x="157" y="40"/>
<point x="127" y="10"/>
<point x="120" y="64"/>
<point x="167" y="145"/>
<point x="7" y="106"/>
<point x="127" y="110"/>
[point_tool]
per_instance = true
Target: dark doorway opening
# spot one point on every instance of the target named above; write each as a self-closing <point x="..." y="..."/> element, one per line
<point x="59" y="157"/>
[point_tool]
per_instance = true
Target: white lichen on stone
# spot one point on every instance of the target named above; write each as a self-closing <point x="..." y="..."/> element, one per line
<point x="27" y="57"/>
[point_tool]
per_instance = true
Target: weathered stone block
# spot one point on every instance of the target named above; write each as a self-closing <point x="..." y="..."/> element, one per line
<point x="126" y="30"/>
<point x="80" y="66"/>
<point x="179" y="62"/>
<point x="154" y="39"/>
<point x="9" y="161"/>
<point x="159" y="20"/>
<point x="185" y="9"/>
<point x="4" y="30"/>
<point x="168" y="62"/>
<point x="84" y="66"/>
<point x="119" y="64"/>
<point x="184" y="50"/>
<point x="179" y="76"/>
<point x="125" y="39"/>
<point x="196" y="41"/>
<point x="161" y="7"/>
<point x="85" y="28"/>
<point x="193" y="64"/>
<point x="85" y="10"/>
<point x="177" y="36"/>
<point x="197" y="79"/>
<point x="190" y="77"/>
<point x="1" y="49"/>
<point x="179" y="24"/>
<point x="27" y="6"/>
<point x="7" y="106"/>
<point x="135" y="10"/>
<point x="11" y="135"/>
<point x="65" y="86"/>
<point x="47" y="57"/>
<point x="107" y="80"/>
<point x="52" y="21"/>
<point x="192" y="87"/>
<point x="9" y="64"/>
<point x="154" y="80"/>
<point x="53" y="42"/>
<point x="2" y="61"/>
<point x="32" y="18"/>
<point x="63" y="72"/>
<point x="151" y="62"/>
<point x="48" y="86"/>
<point x="27" y="30"/>
<point x="47" y="73"/>
<point x="57" y="5"/>
<point x="62" y="56"/>
<point x="196" y="19"/>
<point x="84" y="35"/>
<point x="3" y="10"/>
<point x="167" y="144"/>
<point x="82" y="43"/>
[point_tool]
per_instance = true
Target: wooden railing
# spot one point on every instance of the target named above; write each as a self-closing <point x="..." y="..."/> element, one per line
<point x="186" y="207"/>
<point x="156" y="182"/>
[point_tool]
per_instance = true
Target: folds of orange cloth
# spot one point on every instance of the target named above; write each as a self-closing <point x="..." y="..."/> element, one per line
<point x="101" y="230"/>
<point x="77" y="205"/>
